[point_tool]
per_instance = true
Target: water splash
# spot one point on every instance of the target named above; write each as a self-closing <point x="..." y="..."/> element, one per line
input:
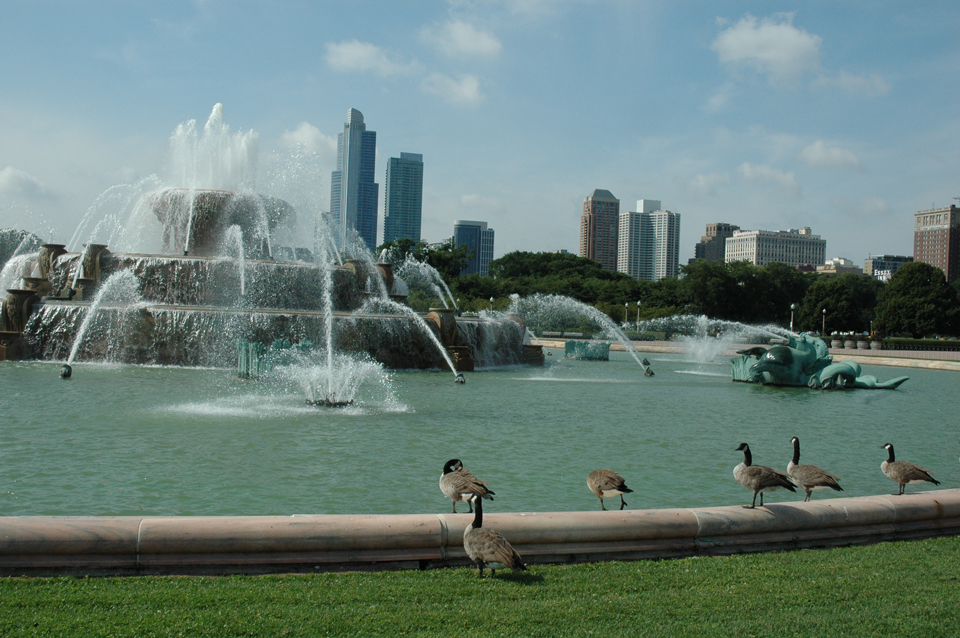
<point x="340" y="378"/>
<point x="557" y="311"/>
<point x="234" y="240"/>
<point x="380" y="306"/>
<point x="121" y="288"/>
<point x="421" y="275"/>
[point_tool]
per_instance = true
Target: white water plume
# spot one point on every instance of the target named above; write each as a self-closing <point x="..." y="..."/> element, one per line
<point x="121" y="288"/>
<point x="421" y="275"/>
<point x="377" y="306"/>
<point x="337" y="378"/>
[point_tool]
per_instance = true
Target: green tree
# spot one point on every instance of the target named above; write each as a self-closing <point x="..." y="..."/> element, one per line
<point x="918" y="302"/>
<point x="850" y="301"/>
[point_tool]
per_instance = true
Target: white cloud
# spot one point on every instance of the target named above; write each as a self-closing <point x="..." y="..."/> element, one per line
<point x="17" y="183"/>
<point x="313" y="141"/>
<point x="771" y="46"/>
<point x="785" y="182"/>
<point x="719" y="100"/>
<point x="363" y="56"/>
<point x="464" y="90"/>
<point x="459" y="39"/>
<point x="707" y="183"/>
<point x="819" y="155"/>
<point x="479" y="201"/>
<point x="871" y="86"/>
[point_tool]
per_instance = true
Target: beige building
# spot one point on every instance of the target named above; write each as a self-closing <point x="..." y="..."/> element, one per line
<point x="713" y="245"/>
<point x="839" y="266"/>
<point x="761" y="247"/>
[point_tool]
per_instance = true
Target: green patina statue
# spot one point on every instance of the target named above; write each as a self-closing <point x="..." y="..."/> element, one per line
<point x="804" y="361"/>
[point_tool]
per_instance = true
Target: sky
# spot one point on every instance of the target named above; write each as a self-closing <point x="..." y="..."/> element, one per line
<point x="840" y="116"/>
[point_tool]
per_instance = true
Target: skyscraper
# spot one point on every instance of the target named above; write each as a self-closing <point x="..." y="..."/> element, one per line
<point x="479" y="239"/>
<point x="936" y="239"/>
<point x="353" y="193"/>
<point x="649" y="242"/>
<point x="403" y="197"/>
<point x="599" y="225"/>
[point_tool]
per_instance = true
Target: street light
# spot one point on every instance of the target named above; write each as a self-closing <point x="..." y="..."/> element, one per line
<point x="625" y="304"/>
<point x="638" y="313"/>
<point x="793" y="306"/>
<point x="823" y="328"/>
<point x="491" y="303"/>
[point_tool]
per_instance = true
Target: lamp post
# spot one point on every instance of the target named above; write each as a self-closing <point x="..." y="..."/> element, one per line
<point x="638" y="313"/>
<point x="823" y="327"/>
<point x="625" y="304"/>
<point x="491" y="303"/>
<point x="793" y="307"/>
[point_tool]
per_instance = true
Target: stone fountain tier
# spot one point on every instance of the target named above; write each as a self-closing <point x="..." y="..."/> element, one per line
<point x="207" y="336"/>
<point x="196" y="220"/>
<point x="213" y="281"/>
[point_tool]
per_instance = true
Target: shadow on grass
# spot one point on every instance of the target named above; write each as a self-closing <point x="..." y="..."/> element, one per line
<point x="520" y="578"/>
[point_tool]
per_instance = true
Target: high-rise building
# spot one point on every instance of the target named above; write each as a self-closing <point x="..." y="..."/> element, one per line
<point x="713" y="245"/>
<point x="477" y="237"/>
<point x="882" y="267"/>
<point x="353" y="193"/>
<point x="792" y="247"/>
<point x="403" y="197"/>
<point x="599" y="226"/>
<point x="936" y="239"/>
<point x="649" y="242"/>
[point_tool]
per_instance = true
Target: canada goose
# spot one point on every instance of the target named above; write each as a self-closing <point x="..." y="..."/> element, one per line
<point x="759" y="478"/>
<point x="809" y="477"/>
<point x="607" y="484"/>
<point x="487" y="547"/>
<point x="904" y="473"/>
<point x="458" y="484"/>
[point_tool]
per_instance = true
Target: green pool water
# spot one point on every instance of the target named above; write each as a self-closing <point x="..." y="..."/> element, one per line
<point x="126" y="440"/>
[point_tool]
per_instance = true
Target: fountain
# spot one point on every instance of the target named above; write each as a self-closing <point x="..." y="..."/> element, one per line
<point x="209" y="263"/>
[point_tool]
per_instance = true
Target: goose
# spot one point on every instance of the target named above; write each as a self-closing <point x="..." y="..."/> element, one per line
<point x="904" y="473"/>
<point x="607" y="484"/>
<point x="810" y="477"/>
<point x="487" y="547"/>
<point x="759" y="478"/>
<point x="458" y="484"/>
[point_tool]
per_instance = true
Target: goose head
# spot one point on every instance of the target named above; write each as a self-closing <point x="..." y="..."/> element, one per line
<point x="452" y="466"/>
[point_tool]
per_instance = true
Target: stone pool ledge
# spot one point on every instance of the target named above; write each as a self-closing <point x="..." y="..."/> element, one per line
<point x="129" y="545"/>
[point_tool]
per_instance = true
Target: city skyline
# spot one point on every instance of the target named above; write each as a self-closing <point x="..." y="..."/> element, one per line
<point x="776" y="115"/>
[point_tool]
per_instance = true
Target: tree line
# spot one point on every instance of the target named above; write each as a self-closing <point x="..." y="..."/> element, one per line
<point x="917" y="302"/>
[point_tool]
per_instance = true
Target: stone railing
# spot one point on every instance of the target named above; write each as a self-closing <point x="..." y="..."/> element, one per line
<point x="260" y="544"/>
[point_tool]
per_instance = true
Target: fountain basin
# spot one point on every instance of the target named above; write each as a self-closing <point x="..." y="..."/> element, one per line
<point x="262" y="544"/>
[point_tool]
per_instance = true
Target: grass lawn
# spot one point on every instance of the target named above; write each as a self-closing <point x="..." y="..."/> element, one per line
<point x="907" y="588"/>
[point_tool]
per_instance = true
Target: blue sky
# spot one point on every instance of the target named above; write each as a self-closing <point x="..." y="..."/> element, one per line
<point x="841" y="116"/>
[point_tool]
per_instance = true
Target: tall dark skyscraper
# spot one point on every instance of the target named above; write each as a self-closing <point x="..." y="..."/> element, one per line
<point x="353" y="193"/>
<point x="403" y="197"/>
<point x="599" y="228"/>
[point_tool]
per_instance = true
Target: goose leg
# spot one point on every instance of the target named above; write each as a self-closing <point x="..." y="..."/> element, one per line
<point x="623" y="503"/>
<point x="753" y="504"/>
<point x="761" y="499"/>
<point x="454" y="507"/>
<point x="601" y="505"/>
<point x="807" y="498"/>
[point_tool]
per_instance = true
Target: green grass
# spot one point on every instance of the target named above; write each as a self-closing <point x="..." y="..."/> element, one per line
<point x="907" y="588"/>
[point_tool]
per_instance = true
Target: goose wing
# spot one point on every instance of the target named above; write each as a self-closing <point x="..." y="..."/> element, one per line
<point x="759" y="476"/>
<point x="463" y="482"/>
<point x="490" y="546"/>
<point x="607" y="480"/>
<point x="907" y="472"/>
<point x="811" y="475"/>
